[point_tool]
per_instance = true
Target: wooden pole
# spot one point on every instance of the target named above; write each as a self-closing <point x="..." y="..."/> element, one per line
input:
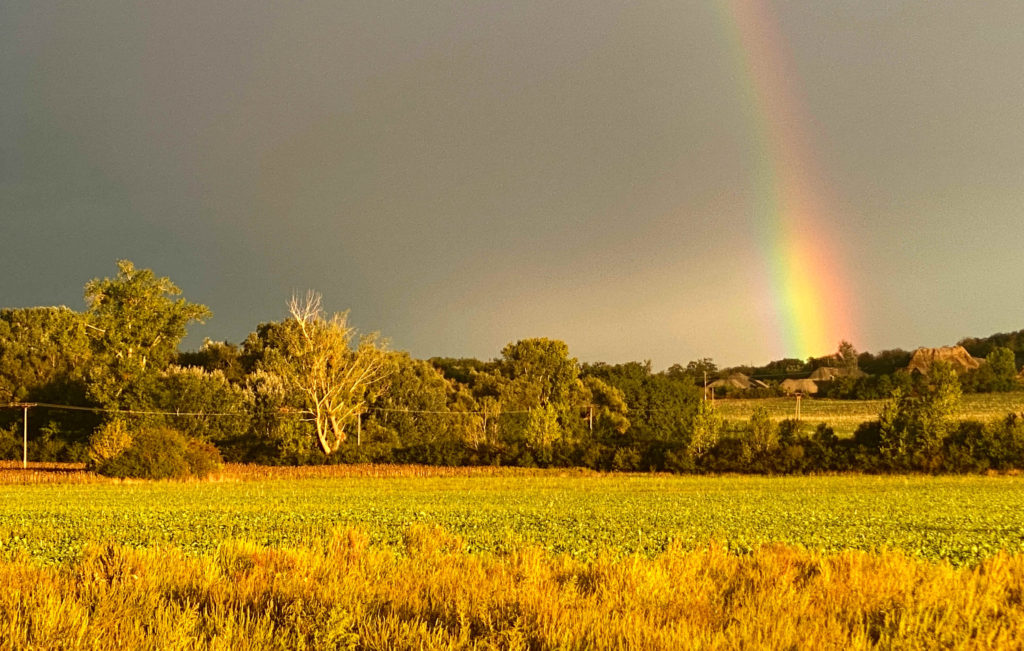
<point x="24" y="441"/>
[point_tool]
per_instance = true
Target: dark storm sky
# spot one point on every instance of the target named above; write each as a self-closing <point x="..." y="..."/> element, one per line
<point x="465" y="174"/>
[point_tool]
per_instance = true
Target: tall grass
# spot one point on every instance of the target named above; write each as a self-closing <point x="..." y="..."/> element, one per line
<point x="12" y="472"/>
<point x="433" y="595"/>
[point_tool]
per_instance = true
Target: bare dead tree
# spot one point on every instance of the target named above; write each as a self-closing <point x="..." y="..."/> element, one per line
<point x="334" y="378"/>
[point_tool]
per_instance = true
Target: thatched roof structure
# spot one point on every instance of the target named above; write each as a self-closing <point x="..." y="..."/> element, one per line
<point x="734" y="381"/>
<point x="737" y="381"/>
<point x="828" y="373"/>
<point x="806" y="386"/>
<point x="956" y="356"/>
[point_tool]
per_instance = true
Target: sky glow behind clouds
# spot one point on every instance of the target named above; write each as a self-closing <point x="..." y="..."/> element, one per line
<point x="462" y="175"/>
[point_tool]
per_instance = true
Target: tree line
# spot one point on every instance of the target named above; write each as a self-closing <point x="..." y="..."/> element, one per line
<point x="311" y="389"/>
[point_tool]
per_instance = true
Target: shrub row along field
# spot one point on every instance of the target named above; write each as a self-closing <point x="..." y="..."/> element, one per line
<point x="959" y="519"/>
<point x="844" y="416"/>
<point x="345" y="594"/>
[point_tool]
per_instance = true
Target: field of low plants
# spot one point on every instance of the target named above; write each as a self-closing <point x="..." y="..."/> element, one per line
<point x="959" y="519"/>
<point x="843" y="416"/>
<point x="375" y="557"/>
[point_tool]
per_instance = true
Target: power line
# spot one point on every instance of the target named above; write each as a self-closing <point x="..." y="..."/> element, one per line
<point x="389" y="410"/>
<point x="102" y="410"/>
<point x="140" y="412"/>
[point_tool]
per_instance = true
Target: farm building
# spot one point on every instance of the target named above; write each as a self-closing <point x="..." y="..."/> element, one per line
<point x="957" y="356"/>
<point x="737" y="381"/>
<point x="807" y="386"/>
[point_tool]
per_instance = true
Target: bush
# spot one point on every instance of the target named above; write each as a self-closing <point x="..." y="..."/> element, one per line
<point x="596" y="456"/>
<point x="679" y="461"/>
<point x="162" y="453"/>
<point x="108" y="441"/>
<point x="626" y="460"/>
<point x="203" y="458"/>
<point x="10" y="444"/>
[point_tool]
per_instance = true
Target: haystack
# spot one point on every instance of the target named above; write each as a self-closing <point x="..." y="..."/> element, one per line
<point x="806" y="386"/>
<point x="956" y="356"/>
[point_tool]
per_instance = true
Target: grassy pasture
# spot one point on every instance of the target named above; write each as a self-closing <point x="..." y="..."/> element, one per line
<point x="845" y="415"/>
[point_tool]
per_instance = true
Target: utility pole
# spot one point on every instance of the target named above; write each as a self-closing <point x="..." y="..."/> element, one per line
<point x="705" y="385"/>
<point x="24" y="440"/>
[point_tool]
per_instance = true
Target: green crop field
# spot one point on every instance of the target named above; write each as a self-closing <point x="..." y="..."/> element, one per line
<point x="962" y="519"/>
<point x="845" y="415"/>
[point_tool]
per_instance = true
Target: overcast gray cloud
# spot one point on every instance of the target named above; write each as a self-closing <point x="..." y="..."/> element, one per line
<point x="461" y="175"/>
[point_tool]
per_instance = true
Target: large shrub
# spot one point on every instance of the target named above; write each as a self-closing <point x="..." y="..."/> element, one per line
<point x="162" y="453"/>
<point x="108" y="441"/>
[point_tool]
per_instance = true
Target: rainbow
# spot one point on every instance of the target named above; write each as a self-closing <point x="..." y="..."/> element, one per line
<point x="810" y="303"/>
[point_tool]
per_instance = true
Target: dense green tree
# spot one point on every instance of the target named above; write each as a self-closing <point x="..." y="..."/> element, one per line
<point x="217" y="356"/>
<point x="1003" y="366"/>
<point x="543" y="430"/>
<point x="705" y="428"/>
<point x="205" y="398"/>
<point x="541" y="396"/>
<point x="539" y="372"/>
<point x="914" y="427"/>
<point x="463" y="369"/>
<point x="886" y="362"/>
<point x="893" y="427"/>
<point x="846" y="356"/>
<point x="422" y="408"/>
<point x="42" y="351"/>
<point x="782" y="368"/>
<point x="607" y="407"/>
<point x="763" y="433"/>
<point x="934" y="417"/>
<point x="660" y="405"/>
<point x="695" y="371"/>
<point x="982" y="346"/>
<point x="135" y="325"/>
<point x="276" y="432"/>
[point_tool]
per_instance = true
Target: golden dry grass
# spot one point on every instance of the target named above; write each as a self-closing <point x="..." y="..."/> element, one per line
<point x="432" y="595"/>
<point x="258" y="472"/>
<point x="11" y="472"/>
